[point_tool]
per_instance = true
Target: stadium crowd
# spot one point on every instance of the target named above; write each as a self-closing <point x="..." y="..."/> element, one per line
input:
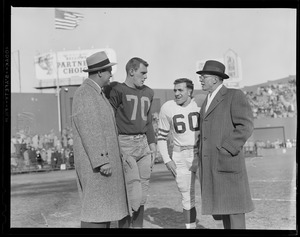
<point x="274" y="101"/>
<point x="42" y="151"/>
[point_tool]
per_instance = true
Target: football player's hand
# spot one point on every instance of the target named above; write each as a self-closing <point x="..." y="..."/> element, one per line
<point x="105" y="169"/>
<point x="172" y="167"/>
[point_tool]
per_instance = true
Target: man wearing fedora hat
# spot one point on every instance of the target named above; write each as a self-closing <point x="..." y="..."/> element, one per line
<point x="132" y="102"/>
<point x="99" y="170"/>
<point x="226" y="122"/>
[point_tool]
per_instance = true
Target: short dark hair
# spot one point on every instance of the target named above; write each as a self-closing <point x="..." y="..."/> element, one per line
<point x="188" y="82"/>
<point x="135" y="64"/>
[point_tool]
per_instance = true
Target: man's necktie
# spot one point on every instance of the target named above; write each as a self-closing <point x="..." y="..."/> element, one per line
<point x="208" y="102"/>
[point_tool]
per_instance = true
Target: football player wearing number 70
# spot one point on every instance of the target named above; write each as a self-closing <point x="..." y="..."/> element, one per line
<point x="180" y="119"/>
<point x="132" y="101"/>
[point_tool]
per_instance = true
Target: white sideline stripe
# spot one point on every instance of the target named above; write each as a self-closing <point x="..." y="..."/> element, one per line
<point x="254" y="199"/>
<point x="277" y="200"/>
<point x="273" y="180"/>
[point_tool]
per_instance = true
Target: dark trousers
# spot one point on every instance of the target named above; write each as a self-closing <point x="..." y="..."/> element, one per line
<point x="232" y="221"/>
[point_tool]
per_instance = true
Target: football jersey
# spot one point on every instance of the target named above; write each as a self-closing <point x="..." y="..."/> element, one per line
<point x="132" y="108"/>
<point x="182" y="122"/>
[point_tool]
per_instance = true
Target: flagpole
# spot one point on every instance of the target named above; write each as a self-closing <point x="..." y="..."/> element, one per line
<point x="68" y="21"/>
<point x="57" y="94"/>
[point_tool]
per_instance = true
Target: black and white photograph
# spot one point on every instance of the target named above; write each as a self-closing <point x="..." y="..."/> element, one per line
<point x="151" y="118"/>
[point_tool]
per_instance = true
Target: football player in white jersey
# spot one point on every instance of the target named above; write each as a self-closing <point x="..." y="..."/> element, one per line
<point x="180" y="119"/>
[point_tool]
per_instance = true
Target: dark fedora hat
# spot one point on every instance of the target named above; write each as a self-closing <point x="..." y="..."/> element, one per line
<point x="213" y="67"/>
<point x="97" y="62"/>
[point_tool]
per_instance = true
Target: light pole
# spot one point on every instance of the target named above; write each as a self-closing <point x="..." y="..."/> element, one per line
<point x="57" y="94"/>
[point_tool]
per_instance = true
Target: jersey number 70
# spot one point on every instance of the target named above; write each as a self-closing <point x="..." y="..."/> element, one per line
<point x="144" y="101"/>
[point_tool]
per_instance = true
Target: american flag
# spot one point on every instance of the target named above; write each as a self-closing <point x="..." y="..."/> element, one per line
<point x="65" y="20"/>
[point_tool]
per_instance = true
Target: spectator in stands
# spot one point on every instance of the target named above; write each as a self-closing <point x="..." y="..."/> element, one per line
<point x="277" y="144"/>
<point x="62" y="156"/>
<point x="44" y="155"/>
<point x="66" y="156"/>
<point x="64" y="139"/>
<point x="70" y="142"/>
<point x="39" y="159"/>
<point x="288" y="143"/>
<point x="49" y="154"/>
<point x="71" y="159"/>
<point x="35" y="141"/>
<point x="32" y="156"/>
<point x="54" y="159"/>
<point x="48" y="143"/>
<point x="21" y="151"/>
<point x="277" y="100"/>
<point x="26" y="158"/>
<point x="41" y="142"/>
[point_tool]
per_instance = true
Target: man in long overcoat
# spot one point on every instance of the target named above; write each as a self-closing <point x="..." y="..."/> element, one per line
<point x="226" y="122"/>
<point x="98" y="164"/>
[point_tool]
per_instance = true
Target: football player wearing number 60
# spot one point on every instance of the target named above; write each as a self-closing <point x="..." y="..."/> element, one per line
<point x="132" y="101"/>
<point x="180" y="118"/>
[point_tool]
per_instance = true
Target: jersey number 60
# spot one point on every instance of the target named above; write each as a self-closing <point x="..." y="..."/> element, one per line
<point x="180" y="126"/>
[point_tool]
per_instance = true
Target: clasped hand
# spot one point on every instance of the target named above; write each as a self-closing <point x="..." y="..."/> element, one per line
<point x="106" y="169"/>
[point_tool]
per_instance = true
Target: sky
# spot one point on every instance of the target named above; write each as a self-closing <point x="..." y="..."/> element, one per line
<point x="171" y="40"/>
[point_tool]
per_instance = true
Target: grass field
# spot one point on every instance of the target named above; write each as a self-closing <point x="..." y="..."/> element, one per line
<point x="50" y="199"/>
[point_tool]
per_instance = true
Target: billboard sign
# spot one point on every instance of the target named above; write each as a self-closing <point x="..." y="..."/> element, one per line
<point x="233" y="65"/>
<point x="66" y="65"/>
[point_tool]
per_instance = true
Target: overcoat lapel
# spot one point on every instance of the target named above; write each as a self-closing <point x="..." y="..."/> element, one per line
<point x="218" y="98"/>
<point x="98" y="89"/>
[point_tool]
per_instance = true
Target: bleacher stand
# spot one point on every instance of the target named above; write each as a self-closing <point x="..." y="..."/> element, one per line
<point x="274" y="101"/>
